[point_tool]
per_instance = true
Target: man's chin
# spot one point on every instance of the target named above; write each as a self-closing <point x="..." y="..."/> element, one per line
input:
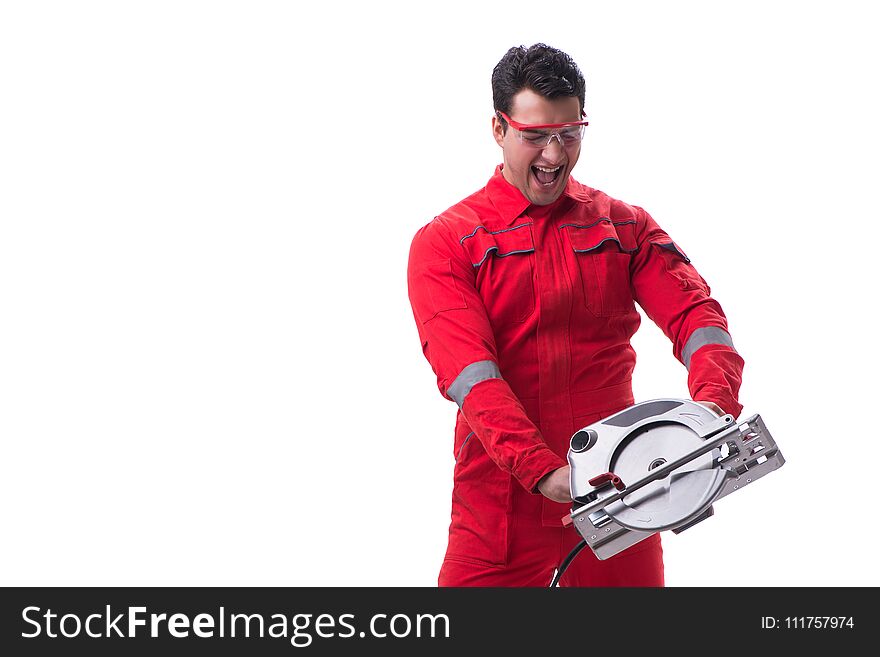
<point x="543" y="197"/>
<point x="540" y="194"/>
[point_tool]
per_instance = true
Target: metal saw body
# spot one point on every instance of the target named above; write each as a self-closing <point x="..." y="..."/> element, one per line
<point x="660" y="465"/>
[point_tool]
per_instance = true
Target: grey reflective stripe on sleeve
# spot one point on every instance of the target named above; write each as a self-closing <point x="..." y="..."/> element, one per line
<point x="470" y="376"/>
<point x="700" y="338"/>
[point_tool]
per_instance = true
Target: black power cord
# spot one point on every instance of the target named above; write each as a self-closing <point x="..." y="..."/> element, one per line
<point x="567" y="562"/>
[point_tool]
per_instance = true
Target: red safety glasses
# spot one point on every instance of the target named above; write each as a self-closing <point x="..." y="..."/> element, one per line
<point x="539" y="135"/>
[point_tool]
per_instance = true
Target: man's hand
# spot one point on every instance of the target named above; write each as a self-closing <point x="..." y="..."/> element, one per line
<point x="556" y="485"/>
<point x="712" y="406"/>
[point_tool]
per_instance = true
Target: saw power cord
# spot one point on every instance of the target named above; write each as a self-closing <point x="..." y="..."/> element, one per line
<point x="567" y="562"/>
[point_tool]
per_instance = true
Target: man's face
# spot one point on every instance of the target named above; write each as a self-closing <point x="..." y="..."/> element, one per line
<point x="540" y="173"/>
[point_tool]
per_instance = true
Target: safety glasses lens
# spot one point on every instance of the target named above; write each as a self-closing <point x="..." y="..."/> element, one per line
<point x="541" y="138"/>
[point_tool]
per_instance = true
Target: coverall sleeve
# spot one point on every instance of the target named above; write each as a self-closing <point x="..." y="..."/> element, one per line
<point x="458" y="341"/>
<point x="676" y="298"/>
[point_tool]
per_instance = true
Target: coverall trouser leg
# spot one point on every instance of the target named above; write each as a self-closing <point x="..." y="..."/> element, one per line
<point x="534" y="552"/>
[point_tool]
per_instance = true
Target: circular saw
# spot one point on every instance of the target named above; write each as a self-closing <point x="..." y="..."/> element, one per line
<point x="660" y="465"/>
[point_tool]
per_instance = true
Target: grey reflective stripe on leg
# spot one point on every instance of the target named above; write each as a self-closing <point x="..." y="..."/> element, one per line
<point x="700" y="338"/>
<point x="470" y="376"/>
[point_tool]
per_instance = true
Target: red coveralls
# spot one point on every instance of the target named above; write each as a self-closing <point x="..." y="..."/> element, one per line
<point x="525" y="314"/>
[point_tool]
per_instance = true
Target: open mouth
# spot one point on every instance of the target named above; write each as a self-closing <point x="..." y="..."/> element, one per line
<point x="546" y="176"/>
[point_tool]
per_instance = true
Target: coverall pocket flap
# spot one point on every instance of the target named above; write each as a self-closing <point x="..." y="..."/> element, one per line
<point x="596" y="237"/>
<point x="482" y="244"/>
<point x="678" y="265"/>
<point x="671" y="247"/>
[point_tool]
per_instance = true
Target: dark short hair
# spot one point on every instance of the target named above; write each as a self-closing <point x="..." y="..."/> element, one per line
<point x="547" y="71"/>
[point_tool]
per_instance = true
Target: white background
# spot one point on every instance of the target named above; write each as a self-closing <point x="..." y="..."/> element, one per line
<point x="209" y="370"/>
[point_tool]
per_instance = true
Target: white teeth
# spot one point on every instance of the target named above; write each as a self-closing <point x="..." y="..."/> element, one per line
<point x="547" y="170"/>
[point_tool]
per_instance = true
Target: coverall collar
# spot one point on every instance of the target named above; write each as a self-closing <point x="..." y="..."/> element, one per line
<point x="510" y="202"/>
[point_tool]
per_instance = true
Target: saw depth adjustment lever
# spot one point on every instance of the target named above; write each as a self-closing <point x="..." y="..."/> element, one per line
<point x="607" y="477"/>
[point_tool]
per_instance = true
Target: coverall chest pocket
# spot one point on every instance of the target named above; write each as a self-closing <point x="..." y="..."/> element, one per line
<point x="603" y="263"/>
<point x="505" y="272"/>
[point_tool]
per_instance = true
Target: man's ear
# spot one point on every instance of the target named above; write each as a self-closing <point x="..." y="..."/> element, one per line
<point x="497" y="130"/>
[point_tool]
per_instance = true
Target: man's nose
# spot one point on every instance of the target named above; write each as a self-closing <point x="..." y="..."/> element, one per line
<point x="554" y="151"/>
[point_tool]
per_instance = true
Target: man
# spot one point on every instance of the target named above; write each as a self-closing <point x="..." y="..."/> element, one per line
<point x="524" y="296"/>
